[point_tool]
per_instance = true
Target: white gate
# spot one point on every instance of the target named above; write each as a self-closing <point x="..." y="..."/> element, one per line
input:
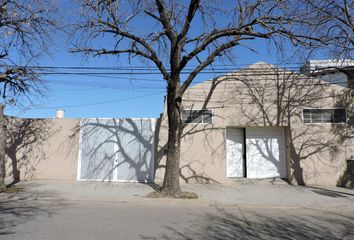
<point x="116" y="150"/>
<point x="265" y="152"/>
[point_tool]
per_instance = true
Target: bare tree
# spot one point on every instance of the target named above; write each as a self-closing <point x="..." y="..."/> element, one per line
<point x="24" y="33"/>
<point x="332" y="23"/>
<point x="181" y="34"/>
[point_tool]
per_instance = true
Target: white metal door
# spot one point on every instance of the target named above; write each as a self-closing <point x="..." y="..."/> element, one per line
<point x="234" y="152"/>
<point x="96" y="151"/>
<point x="265" y="152"/>
<point x="116" y="150"/>
<point x="135" y="159"/>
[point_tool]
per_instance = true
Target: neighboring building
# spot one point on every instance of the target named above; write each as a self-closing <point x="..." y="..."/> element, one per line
<point x="334" y="71"/>
<point x="261" y="122"/>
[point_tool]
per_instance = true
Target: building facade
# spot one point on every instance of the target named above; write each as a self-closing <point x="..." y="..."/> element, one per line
<point x="264" y="122"/>
<point x="259" y="122"/>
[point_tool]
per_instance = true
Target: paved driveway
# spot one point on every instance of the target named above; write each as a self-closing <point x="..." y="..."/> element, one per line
<point x="64" y="210"/>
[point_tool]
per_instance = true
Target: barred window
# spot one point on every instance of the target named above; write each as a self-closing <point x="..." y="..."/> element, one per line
<point x="337" y="115"/>
<point x="197" y="116"/>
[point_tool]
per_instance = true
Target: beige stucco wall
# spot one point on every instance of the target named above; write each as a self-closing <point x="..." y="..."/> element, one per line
<point x="321" y="153"/>
<point x="42" y="148"/>
<point x="202" y="154"/>
<point x="316" y="153"/>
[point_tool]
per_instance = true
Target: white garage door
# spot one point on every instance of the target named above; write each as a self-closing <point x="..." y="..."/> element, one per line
<point x="265" y="152"/>
<point x="234" y="152"/>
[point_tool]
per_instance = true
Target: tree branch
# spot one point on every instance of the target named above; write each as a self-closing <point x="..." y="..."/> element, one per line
<point x="217" y="35"/>
<point x="153" y="56"/>
<point x="164" y="19"/>
<point x="193" y="7"/>
<point x="204" y="64"/>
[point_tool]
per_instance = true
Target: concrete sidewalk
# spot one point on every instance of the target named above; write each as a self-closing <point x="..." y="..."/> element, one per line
<point x="252" y="193"/>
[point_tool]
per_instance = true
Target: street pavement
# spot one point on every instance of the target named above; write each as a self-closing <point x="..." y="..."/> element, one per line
<point x="254" y="193"/>
<point x="79" y="210"/>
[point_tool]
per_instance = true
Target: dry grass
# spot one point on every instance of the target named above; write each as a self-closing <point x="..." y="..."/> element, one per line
<point x="14" y="190"/>
<point x="182" y="195"/>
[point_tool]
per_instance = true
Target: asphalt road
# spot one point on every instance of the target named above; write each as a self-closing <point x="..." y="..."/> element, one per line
<point x="168" y="219"/>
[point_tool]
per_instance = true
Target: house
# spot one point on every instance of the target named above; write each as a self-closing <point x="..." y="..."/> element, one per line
<point x="263" y="122"/>
<point x="258" y="122"/>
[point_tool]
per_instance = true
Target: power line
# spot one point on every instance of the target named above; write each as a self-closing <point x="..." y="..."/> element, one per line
<point x="161" y="84"/>
<point x="234" y="76"/>
<point x="263" y="99"/>
<point x="200" y="90"/>
<point x="137" y="71"/>
<point x="227" y="101"/>
<point x="255" y="74"/>
<point x="146" y="67"/>
<point x="91" y="104"/>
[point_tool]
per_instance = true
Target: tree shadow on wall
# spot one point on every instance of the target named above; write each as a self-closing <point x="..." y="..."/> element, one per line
<point x="117" y="149"/>
<point x="346" y="134"/>
<point x="24" y="145"/>
<point x="265" y="150"/>
<point x="187" y="172"/>
<point x="272" y="97"/>
<point x="276" y="98"/>
<point x="224" y="225"/>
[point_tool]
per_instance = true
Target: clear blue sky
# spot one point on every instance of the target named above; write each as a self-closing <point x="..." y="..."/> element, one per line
<point x="97" y="96"/>
<point x="121" y="95"/>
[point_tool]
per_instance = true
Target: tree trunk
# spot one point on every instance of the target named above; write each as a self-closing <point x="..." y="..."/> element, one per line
<point x="2" y="149"/>
<point x="15" y="171"/>
<point x="171" y="186"/>
<point x="295" y="159"/>
<point x="296" y="165"/>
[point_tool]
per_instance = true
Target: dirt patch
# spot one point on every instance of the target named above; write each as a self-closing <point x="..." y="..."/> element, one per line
<point x="14" y="190"/>
<point x="182" y="195"/>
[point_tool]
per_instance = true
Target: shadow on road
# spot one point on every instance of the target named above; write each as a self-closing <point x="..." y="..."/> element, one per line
<point x="331" y="193"/>
<point x="19" y="207"/>
<point x="263" y="225"/>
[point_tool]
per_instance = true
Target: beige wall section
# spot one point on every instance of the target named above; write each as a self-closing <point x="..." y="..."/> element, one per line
<point x="42" y="149"/>
<point x="317" y="153"/>
<point x="202" y="154"/>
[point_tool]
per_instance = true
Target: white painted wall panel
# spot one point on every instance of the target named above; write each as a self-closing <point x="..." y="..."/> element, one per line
<point x="96" y="150"/>
<point x="135" y="150"/>
<point x="265" y="152"/>
<point x="234" y="152"/>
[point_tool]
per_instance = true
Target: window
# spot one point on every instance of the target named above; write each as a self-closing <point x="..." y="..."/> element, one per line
<point x="197" y="116"/>
<point x="337" y="115"/>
